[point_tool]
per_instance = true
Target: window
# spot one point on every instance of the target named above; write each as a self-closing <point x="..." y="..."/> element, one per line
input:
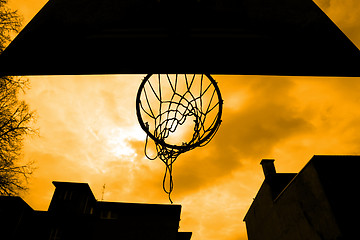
<point x="55" y="234"/>
<point x="65" y="195"/>
<point x="108" y="214"/>
<point x="68" y="195"/>
<point x="87" y="205"/>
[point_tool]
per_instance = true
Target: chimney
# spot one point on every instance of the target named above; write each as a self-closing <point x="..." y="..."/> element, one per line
<point x="268" y="167"/>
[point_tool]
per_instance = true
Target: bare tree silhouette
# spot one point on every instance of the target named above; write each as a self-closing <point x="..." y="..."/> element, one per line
<point x="10" y="22"/>
<point x="15" y="116"/>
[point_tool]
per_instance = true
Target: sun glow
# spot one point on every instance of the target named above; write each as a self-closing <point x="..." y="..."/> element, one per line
<point x="117" y="142"/>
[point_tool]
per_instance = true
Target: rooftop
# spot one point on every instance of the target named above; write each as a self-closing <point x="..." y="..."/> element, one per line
<point x="337" y="174"/>
<point x="73" y="204"/>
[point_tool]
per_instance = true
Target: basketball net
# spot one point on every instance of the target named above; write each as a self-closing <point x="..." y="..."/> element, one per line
<point x="168" y="106"/>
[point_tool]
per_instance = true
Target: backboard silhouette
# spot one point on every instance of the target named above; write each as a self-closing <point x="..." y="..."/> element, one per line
<point x="255" y="37"/>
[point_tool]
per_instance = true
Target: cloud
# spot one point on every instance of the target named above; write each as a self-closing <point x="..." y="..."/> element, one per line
<point x="346" y="15"/>
<point x="268" y="117"/>
<point x="324" y="4"/>
<point x="89" y="133"/>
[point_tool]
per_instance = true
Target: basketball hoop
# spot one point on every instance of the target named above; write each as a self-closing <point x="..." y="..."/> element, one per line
<point x="168" y="106"/>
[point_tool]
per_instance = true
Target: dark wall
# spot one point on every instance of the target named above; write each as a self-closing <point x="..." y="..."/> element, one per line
<point x="319" y="203"/>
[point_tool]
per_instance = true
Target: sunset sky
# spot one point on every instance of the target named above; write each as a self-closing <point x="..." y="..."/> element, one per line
<point x="89" y="133"/>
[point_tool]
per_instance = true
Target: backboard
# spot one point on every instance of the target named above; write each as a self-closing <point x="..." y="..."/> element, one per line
<point x="245" y="37"/>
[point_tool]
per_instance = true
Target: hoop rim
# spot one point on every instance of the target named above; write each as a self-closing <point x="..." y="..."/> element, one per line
<point x="173" y="146"/>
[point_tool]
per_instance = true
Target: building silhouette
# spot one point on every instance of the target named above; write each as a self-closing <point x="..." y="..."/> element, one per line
<point x="319" y="202"/>
<point x="74" y="213"/>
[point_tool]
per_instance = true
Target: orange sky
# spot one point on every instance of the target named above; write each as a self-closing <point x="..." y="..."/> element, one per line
<point x="89" y="133"/>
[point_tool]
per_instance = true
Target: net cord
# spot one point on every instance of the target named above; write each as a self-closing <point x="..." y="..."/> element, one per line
<point x="168" y="154"/>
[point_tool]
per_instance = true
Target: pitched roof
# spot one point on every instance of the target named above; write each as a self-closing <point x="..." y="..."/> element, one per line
<point x="337" y="173"/>
<point x="257" y="37"/>
<point x="278" y="182"/>
<point x="72" y="185"/>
